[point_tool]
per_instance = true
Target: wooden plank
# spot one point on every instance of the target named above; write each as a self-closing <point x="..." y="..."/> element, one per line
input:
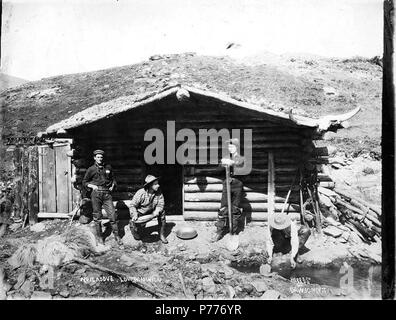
<point x="25" y="181"/>
<point x="17" y="159"/>
<point x="49" y="184"/>
<point x="53" y="215"/>
<point x="212" y="216"/>
<point x="33" y="185"/>
<point x="40" y="176"/>
<point x="69" y="183"/>
<point x="62" y="180"/>
<point x="271" y="183"/>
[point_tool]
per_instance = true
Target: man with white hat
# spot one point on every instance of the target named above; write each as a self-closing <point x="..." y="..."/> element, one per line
<point x="284" y="236"/>
<point x="100" y="179"/>
<point x="148" y="200"/>
<point x="236" y="187"/>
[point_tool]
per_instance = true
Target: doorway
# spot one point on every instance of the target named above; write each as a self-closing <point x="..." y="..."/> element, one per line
<point x="171" y="184"/>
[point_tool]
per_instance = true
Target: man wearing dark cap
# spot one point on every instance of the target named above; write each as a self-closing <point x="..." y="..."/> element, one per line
<point x="148" y="200"/>
<point x="100" y="179"/>
<point x="236" y="187"/>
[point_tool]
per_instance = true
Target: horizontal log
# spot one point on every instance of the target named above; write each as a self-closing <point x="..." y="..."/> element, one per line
<point x="124" y="204"/>
<point x="139" y="138"/>
<point x="53" y="215"/>
<point x="219" y="187"/>
<point x="216" y="197"/>
<point x="327" y="192"/>
<point x="212" y="216"/>
<point x="324" y="177"/>
<point x="359" y="212"/>
<point x="255" y="146"/>
<point x="325" y="151"/>
<point x="245" y="179"/>
<point x="254" y="206"/>
<point x="327" y="184"/>
<point x="363" y="208"/>
<point x="345" y="194"/>
<point x="319" y="160"/>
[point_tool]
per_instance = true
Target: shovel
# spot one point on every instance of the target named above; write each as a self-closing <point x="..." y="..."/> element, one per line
<point x="233" y="240"/>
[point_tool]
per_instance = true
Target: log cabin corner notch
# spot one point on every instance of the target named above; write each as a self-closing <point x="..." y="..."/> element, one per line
<point x="283" y="142"/>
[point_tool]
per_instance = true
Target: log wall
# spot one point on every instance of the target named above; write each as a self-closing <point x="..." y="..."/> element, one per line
<point x="122" y="138"/>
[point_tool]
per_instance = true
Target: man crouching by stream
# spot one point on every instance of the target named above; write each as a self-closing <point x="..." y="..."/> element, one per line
<point x="148" y="200"/>
<point x="284" y="236"/>
<point x="99" y="177"/>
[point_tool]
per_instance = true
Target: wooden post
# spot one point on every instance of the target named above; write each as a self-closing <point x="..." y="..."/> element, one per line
<point x="271" y="183"/>
<point x="33" y="203"/>
<point x="388" y="131"/>
<point x="25" y="182"/>
<point x="17" y="158"/>
<point x="40" y="150"/>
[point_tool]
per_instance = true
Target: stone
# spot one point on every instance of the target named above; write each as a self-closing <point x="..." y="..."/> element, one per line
<point x="203" y="258"/>
<point x="128" y="261"/>
<point x="64" y="293"/>
<point x="41" y="295"/>
<point x="228" y="273"/>
<point x="270" y="295"/>
<point x="38" y="227"/>
<point x="265" y="269"/>
<point x="354" y="238"/>
<point x="248" y="288"/>
<point x="20" y="280"/>
<point x="330" y="91"/>
<point x="261" y="286"/>
<point x="81" y="271"/>
<point x="208" y="285"/>
<point x="27" y="288"/>
<point x="231" y="292"/>
<point x="332" y="231"/>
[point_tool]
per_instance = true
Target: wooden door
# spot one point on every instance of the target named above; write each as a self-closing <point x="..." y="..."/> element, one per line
<point x="55" y="190"/>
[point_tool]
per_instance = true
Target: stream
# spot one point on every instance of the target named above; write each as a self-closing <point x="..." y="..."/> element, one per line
<point x="366" y="277"/>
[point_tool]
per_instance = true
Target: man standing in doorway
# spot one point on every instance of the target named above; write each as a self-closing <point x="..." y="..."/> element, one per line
<point x="236" y="186"/>
<point x="100" y="179"/>
<point x="148" y="200"/>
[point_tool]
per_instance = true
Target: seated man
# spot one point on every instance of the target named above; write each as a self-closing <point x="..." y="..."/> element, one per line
<point x="148" y="200"/>
<point x="100" y="179"/>
<point x="284" y="236"/>
<point x="236" y="187"/>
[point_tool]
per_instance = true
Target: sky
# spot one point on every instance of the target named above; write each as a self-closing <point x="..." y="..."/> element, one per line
<point x="42" y="38"/>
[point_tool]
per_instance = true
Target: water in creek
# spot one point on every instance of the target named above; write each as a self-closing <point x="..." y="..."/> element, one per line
<point x="366" y="278"/>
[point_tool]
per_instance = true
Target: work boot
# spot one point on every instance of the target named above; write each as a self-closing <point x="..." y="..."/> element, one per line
<point x="98" y="232"/>
<point x="135" y="231"/>
<point x="162" y="233"/>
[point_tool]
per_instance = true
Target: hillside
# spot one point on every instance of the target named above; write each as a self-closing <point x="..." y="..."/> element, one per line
<point x="313" y="86"/>
<point x="7" y="81"/>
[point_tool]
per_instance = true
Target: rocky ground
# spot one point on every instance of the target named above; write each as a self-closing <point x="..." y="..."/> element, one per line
<point x="311" y="85"/>
<point x="207" y="270"/>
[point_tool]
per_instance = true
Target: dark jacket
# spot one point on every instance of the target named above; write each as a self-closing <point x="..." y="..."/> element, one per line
<point x="100" y="176"/>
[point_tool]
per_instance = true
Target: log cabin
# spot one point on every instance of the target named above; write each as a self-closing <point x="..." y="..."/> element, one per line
<point x="282" y="148"/>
